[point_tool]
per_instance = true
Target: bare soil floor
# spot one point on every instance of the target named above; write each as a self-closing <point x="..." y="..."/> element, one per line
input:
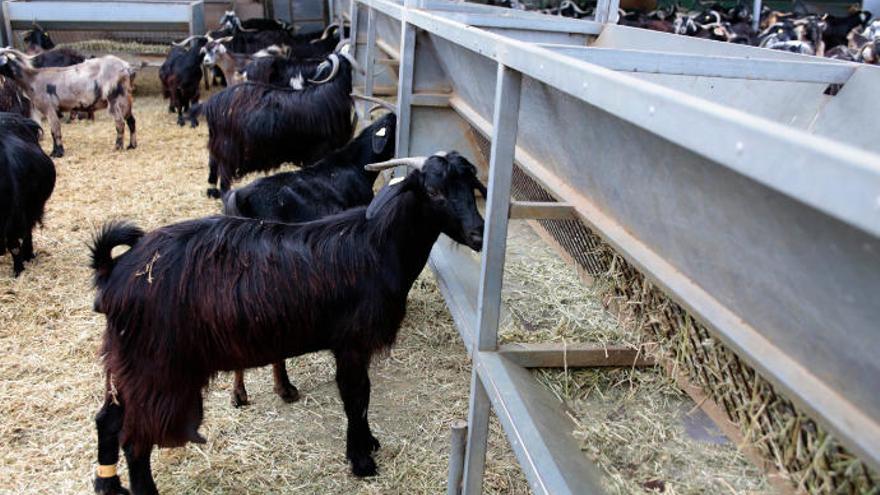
<point x="51" y="380"/>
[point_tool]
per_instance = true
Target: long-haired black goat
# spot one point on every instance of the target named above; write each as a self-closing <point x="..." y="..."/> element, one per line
<point x="256" y="126"/>
<point x="334" y="184"/>
<point x="181" y="74"/>
<point x="221" y="293"/>
<point x="27" y="178"/>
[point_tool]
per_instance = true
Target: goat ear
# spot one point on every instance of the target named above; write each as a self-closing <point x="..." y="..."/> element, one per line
<point x="392" y="190"/>
<point x="380" y="139"/>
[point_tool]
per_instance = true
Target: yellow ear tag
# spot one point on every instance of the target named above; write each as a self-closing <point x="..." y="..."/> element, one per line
<point x="395" y="180"/>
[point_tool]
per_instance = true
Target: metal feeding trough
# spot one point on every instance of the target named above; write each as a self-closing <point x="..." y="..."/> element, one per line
<point x="743" y="182"/>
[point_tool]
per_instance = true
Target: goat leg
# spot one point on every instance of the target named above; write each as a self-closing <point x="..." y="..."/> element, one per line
<point x="27" y="247"/>
<point x="108" y="422"/>
<point x="353" y="380"/>
<point x="239" y="392"/>
<point x="55" y="125"/>
<point x="120" y="132"/>
<point x="139" y="471"/>
<point x="283" y="387"/>
<point x="212" y="192"/>
<point x="132" y="137"/>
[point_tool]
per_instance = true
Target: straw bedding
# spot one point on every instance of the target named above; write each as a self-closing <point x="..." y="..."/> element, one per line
<point x="50" y="377"/>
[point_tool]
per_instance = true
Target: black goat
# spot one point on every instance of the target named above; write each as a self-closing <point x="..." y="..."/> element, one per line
<point x="27" y="178"/>
<point x="195" y="298"/>
<point x="837" y="28"/>
<point x="257" y="127"/>
<point x="37" y="40"/>
<point x="181" y="74"/>
<point x="334" y="184"/>
<point x="13" y="99"/>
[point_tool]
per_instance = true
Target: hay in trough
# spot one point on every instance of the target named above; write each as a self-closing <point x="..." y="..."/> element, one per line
<point x="632" y="423"/>
<point x="794" y="444"/>
<point x="51" y="381"/>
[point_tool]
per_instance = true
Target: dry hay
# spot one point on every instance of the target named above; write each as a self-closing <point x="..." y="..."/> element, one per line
<point x="630" y="421"/>
<point x="795" y="444"/>
<point x="116" y="47"/>
<point x="50" y="377"/>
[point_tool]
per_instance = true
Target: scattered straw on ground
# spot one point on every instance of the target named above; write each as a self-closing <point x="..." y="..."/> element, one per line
<point x="50" y="377"/>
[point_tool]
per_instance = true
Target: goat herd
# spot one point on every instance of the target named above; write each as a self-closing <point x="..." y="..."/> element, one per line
<point x="301" y="262"/>
<point x="853" y="37"/>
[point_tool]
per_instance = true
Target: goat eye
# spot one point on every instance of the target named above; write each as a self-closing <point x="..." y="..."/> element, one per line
<point x="434" y="194"/>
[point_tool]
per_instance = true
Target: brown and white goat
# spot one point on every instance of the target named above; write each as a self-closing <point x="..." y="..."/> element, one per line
<point x="232" y="64"/>
<point x="103" y="82"/>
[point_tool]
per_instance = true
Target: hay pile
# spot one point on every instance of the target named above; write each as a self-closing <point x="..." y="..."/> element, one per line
<point x="631" y="422"/>
<point x="798" y="447"/>
<point x="50" y="377"/>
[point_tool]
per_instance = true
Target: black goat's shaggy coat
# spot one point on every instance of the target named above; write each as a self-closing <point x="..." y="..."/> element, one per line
<point x="181" y="74"/>
<point x="27" y="178"/>
<point x="216" y="294"/>
<point x="336" y="183"/>
<point x="257" y="127"/>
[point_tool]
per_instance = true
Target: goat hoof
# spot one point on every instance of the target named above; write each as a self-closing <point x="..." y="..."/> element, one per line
<point x="57" y="153"/>
<point x="288" y="394"/>
<point x="363" y="466"/>
<point x="239" y="398"/>
<point x="132" y="146"/>
<point x="213" y="192"/>
<point x="373" y="443"/>
<point x="110" y="486"/>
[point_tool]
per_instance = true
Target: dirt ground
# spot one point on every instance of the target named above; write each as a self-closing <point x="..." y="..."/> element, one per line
<point x="50" y="377"/>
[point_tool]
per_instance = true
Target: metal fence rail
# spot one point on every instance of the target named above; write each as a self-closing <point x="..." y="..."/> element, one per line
<point x="97" y="15"/>
<point x="727" y="174"/>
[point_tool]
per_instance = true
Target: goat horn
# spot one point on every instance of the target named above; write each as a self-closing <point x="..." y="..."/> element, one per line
<point x="354" y="63"/>
<point x="326" y="33"/>
<point x="184" y="42"/>
<point x="333" y="60"/>
<point x="416" y="162"/>
<point x="378" y="101"/>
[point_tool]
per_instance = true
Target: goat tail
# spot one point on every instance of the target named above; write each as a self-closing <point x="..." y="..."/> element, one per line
<point x="112" y="234"/>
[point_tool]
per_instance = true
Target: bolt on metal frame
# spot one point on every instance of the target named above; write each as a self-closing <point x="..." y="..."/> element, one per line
<point x="822" y="182"/>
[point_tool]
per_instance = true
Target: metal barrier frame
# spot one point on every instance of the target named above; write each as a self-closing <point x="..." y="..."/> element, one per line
<point x="835" y="186"/>
<point x="104" y="15"/>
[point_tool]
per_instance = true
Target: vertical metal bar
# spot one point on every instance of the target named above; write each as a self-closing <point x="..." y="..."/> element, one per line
<point x="504" y="128"/>
<point x="369" y="55"/>
<point x="405" y="87"/>
<point x="7" y="26"/>
<point x="353" y="26"/>
<point x="457" y="438"/>
<point x="601" y="12"/>
<point x="756" y="14"/>
<point x="477" y="437"/>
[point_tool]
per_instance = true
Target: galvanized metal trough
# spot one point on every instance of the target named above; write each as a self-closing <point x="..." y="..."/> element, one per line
<point x="743" y="182"/>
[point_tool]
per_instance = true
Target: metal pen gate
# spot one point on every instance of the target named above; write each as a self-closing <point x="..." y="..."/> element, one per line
<point x="728" y="175"/>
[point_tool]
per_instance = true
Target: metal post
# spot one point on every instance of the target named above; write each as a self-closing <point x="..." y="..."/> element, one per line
<point x="353" y="26"/>
<point x="477" y="436"/>
<point x="369" y="55"/>
<point x="756" y="15"/>
<point x="504" y="129"/>
<point x="405" y="87"/>
<point x="457" y="437"/>
<point x="7" y="26"/>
